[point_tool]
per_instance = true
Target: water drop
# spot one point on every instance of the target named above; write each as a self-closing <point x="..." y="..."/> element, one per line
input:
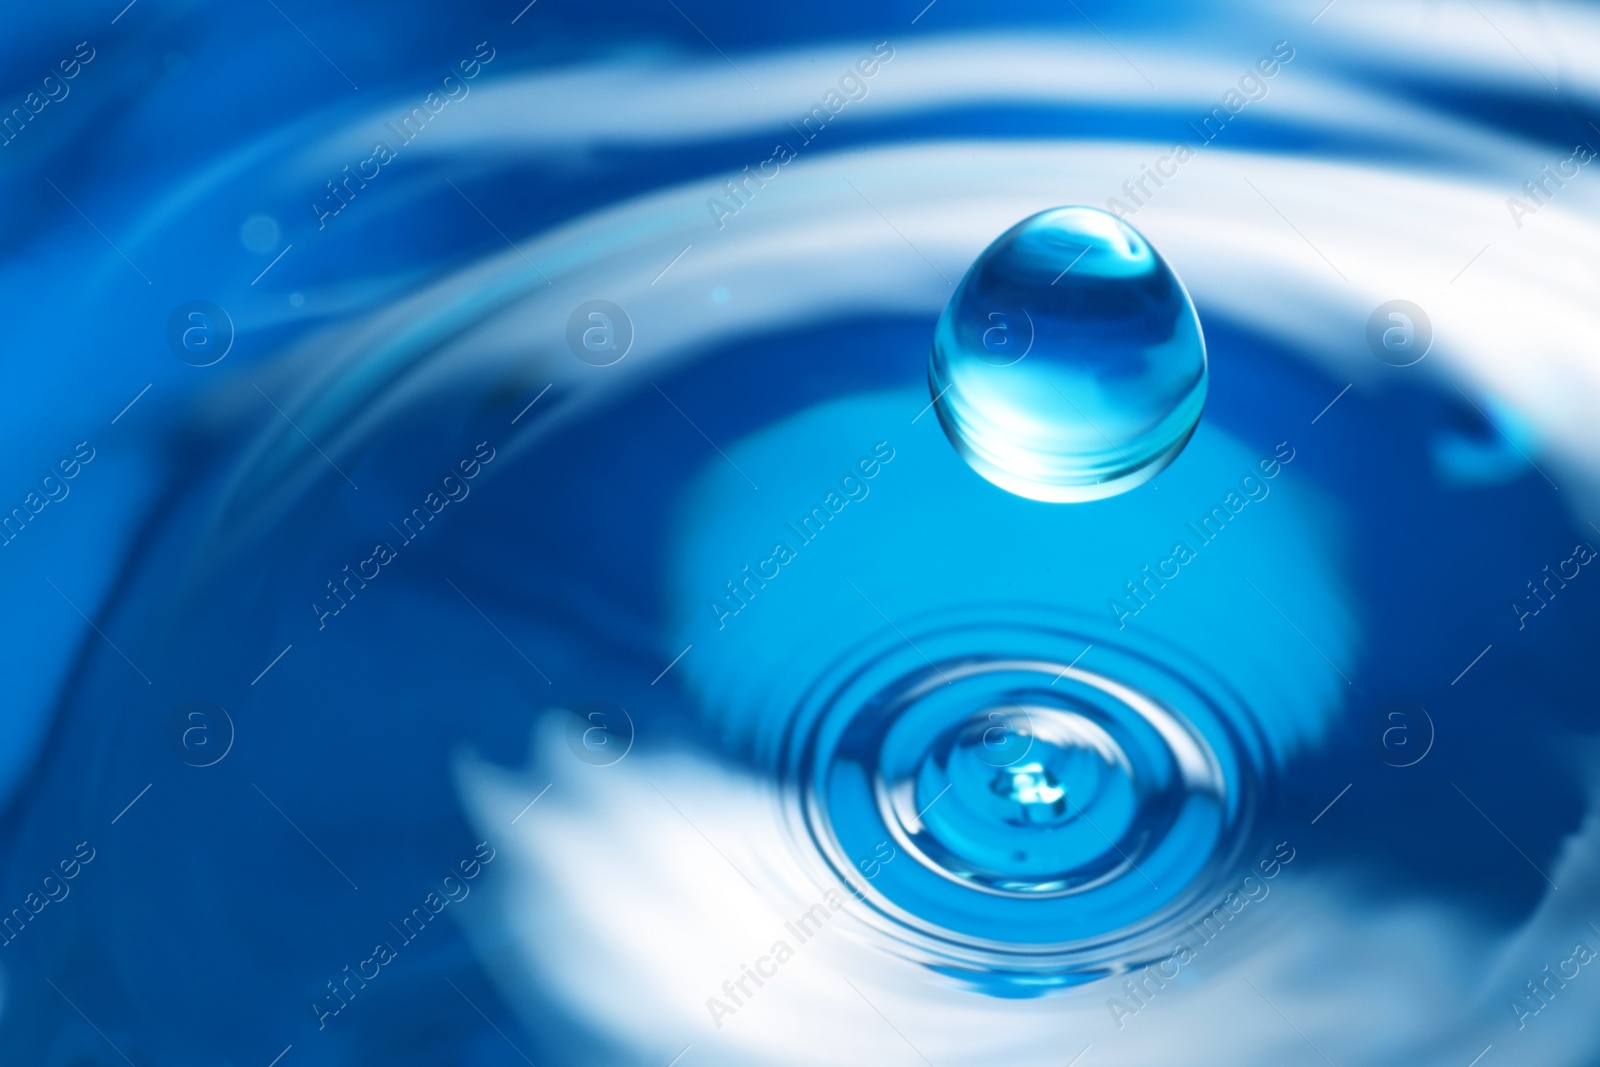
<point x="1069" y="363"/>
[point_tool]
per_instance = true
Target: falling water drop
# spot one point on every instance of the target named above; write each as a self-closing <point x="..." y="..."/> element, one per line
<point x="1069" y="364"/>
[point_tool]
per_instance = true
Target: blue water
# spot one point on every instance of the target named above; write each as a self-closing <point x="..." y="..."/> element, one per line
<point x="619" y="680"/>
<point x="1069" y="364"/>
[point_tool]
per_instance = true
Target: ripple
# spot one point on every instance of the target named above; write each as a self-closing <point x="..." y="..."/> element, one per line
<point x="1046" y="822"/>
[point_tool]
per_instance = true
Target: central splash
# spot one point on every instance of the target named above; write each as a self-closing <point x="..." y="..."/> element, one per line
<point x="1056" y="783"/>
